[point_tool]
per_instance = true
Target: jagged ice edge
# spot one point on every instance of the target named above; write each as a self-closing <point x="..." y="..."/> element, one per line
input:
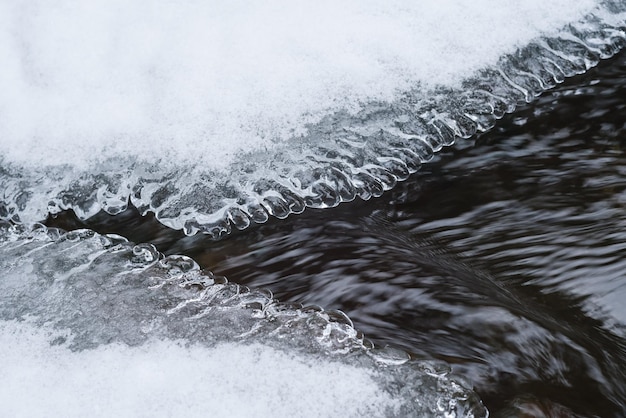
<point x="195" y="305"/>
<point x="341" y="158"/>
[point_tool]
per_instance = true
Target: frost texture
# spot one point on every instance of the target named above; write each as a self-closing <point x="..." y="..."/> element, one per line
<point x="103" y="289"/>
<point x="342" y="157"/>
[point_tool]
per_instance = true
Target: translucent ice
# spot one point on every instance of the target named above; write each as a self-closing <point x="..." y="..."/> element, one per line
<point x="94" y="325"/>
<point x="220" y="114"/>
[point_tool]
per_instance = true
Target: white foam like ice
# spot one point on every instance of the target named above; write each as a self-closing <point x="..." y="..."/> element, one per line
<point x="202" y="80"/>
<point x="165" y="378"/>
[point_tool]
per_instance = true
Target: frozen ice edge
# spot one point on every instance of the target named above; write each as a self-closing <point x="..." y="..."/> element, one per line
<point x="343" y="157"/>
<point x="92" y="322"/>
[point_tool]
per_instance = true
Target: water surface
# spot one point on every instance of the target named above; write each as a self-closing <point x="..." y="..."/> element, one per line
<point x="503" y="257"/>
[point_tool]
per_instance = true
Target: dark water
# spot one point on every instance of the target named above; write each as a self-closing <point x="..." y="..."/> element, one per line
<point x="506" y="256"/>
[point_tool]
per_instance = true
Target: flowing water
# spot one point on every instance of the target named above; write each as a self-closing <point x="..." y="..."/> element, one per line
<point x="505" y="257"/>
<point x="501" y="258"/>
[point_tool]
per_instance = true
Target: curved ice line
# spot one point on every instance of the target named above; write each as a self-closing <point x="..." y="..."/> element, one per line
<point x="134" y="296"/>
<point x="342" y="157"/>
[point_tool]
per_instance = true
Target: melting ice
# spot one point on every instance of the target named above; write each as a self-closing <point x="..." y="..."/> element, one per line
<point x="216" y="114"/>
<point x="94" y="325"/>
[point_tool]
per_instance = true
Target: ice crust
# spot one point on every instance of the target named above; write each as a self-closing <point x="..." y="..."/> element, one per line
<point x="199" y="81"/>
<point x="165" y="379"/>
<point x="95" y="325"/>
<point x="216" y="115"/>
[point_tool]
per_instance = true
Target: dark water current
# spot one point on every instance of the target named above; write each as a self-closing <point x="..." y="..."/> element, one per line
<point x="505" y="257"/>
